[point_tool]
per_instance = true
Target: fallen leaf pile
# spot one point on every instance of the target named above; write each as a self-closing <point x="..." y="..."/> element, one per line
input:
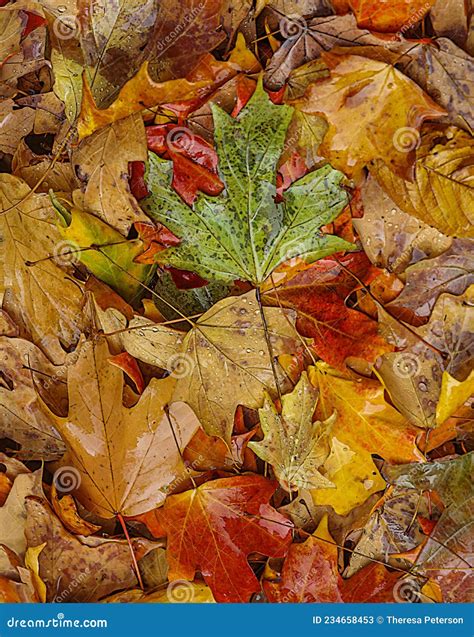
<point x="237" y="324"/>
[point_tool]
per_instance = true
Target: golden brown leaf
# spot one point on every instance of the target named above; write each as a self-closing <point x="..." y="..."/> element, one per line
<point x="372" y="109"/>
<point x="135" y="456"/>
<point x="138" y="93"/>
<point x="442" y="194"/>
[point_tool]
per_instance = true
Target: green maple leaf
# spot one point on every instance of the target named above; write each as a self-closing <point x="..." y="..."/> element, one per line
<point x="242" y="233"/>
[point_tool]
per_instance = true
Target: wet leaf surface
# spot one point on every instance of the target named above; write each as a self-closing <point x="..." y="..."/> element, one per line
<point x="236" y="301"/>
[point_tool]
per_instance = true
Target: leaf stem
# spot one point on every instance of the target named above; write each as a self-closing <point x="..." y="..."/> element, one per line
<point x="269" y="343"/>
<point x="132" y="552"/>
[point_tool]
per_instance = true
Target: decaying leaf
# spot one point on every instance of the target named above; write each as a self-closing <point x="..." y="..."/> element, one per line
<point x="445" y="72"/>
<point x="447" y="555"/>
<point x="105" y="564"/>
<point x="392" y="528"/>
<point x="451" y="272"/>
<point x="66" y="510"/>
<point x="451" y="19"/>
<point x="24" y="418"/>
<point x="113" y="36"/>
<point x="307" y="39"/>
<point x="138" y="93"/>
<point x="391" y="238"/>
<point x="236" y="302"/>
<point x="174" y="51"/>
<point x="310" y="574"/>
<point x="413" y="375"/>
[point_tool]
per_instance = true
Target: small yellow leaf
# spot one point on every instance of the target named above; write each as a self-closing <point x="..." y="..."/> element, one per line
<point x="432" y="590"/>
<point x="294" y="445"/>
<point x="354" y="475"/>
<point x="66" y="510"/>
<point x="454" y="393"/>
<point x="32" y="562"/>
<point x="242" y="57"/>
<point x="322" y="531"/>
